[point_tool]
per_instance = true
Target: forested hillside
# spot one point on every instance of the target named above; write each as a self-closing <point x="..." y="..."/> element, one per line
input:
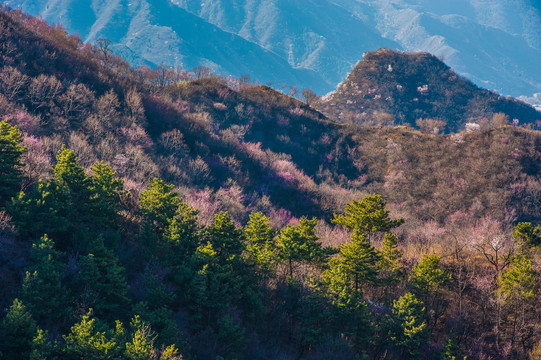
<point x="167" y="214"/>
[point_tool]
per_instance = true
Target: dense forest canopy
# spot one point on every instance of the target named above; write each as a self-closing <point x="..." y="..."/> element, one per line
<point x="166" y="214"/>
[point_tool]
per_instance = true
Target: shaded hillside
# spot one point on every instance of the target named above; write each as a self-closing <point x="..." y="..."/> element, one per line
<point x="393" y="88"/>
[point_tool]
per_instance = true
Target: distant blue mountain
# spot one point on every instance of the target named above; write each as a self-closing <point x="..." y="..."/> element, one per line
<point x="314" y="43"/>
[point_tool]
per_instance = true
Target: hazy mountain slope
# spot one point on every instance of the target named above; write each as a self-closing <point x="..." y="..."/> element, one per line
<point x="476" y="38"/>
<point x="311" y="34"/>
<point x="497" y="44"/>
<point x="391" y="88"/>
<point x="155" y="32"/>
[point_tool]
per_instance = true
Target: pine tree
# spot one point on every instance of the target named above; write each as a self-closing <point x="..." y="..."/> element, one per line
<point x="85" y="342"/>
<point x="427" y="280"/>
<point x="17" y="331"/>
<point x="41" y="348"/>
<point x="527" y="237"/>
<point x="299" y="244"/>
<point x="224" y="236"/>
<point x="11" y="151"/>
<point x="368" y="216"/>
<point x="391" y="271"/>
<point x="61" y="208"/>
<point x="360" y="260"/>
<point x="406" y="328"/>
<point x="40" y="212"/>
<point x="104" y="276"/>
<point x="261" y="246"/>
<point x="451" y="351"/>
<point x="159" y="204"/>
<point x="42" y="287"/>
<point x="349" y="315"/>
<point x="519" y="287"/>
<point x="141" y="344"/>
<point x="106" y="191"/>
<point x="183" y="233"/>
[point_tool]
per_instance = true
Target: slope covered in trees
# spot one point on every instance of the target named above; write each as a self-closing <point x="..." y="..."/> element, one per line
<point x="393" y="88"/>
<point x="159" y="214"/>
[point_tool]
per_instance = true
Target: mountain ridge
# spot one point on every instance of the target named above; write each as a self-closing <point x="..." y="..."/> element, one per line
<point x="327" y="38"/>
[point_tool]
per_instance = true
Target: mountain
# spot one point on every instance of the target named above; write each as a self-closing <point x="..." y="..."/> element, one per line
<point x="192" y="212"/>
<point x="394" y="88"/>
<point x="314" y="44"/>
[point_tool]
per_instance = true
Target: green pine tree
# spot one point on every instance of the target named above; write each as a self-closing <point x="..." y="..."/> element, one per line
<point x="103" y="276"/>
<point x="159" y="204"/>
<point x="41" y="348"/>
<point x="11" y="151"/>
<point x="261" y="247"/>
<point x="427" y="279"/>
<point x="406" y="327"/>
<point x="360" y="260"/>
<point x="527" y="236"/>
<point x="368" y="215"/>
<point x="17" y="332"/>
<point x="297" y="244"/>
<point x="106" y="192"/>
<point x="141" y="344"/>
<point x="224" y="236"/>
<point x="42" y="287"/>
<point x="86" y="342"/>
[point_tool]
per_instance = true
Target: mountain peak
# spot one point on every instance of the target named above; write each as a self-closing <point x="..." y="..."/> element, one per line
<point x="389" y="87"/>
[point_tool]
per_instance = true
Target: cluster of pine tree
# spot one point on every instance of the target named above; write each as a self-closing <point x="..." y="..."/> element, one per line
<point x="111" y="275"/>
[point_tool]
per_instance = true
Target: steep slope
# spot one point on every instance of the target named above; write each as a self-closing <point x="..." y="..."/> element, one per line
<point x="156" y="32"/>
<point x="500" y="52"/>
<point x="310" y="34"/>
<point x="392" y="88"/>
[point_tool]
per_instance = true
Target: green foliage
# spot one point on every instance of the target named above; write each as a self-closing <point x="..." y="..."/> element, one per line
<point x="159" y="318"/>
<point x="42" y="287"/>
<point x="183" y="233"/>
<point x="299" y="243"/>
<point x="17" y="332"/>
<point x="141" y="344"/>
<point x="215" y="286"/>
<point x="427" y="277"/>
<point x="104" y="277"/>
<point x="85" y="342"/>
<point x="40" y="212"/>
<point x="261" y="246"/>
<point x="226" y="239"/>
<point x="392" y="271"/>
<point x="69" y="173"/>
<point x="71" y="207"/>
<point x="451" y="351"/>
<point x="159" y="204"/>
<point x="360" y="260"/>
<point x="527" y="236"/>
<point x="42" y="349"/>
<point x="342" y="288"/>
<point x="406" y="327"/>
<point x="368" y="215"/>
<point x="519" y="283"/>
<point x="106" y="190"/>
<point x="11" y="151"/>
<point x="232" y="336"/>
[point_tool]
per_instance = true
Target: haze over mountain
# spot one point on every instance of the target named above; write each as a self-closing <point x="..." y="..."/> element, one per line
<point x="309" y="43"/>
